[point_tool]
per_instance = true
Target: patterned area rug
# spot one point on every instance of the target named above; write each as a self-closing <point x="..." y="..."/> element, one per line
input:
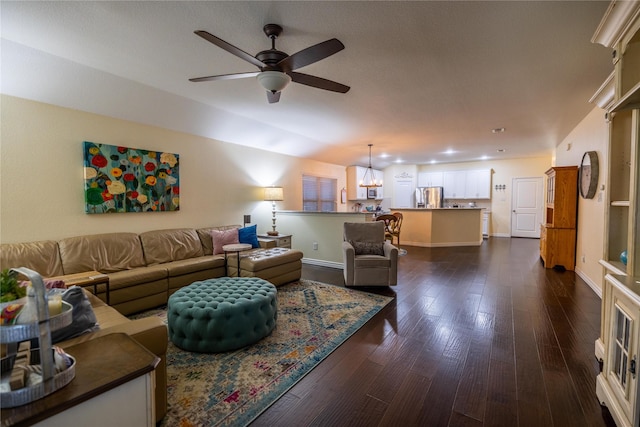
<point x="233" y="388"/>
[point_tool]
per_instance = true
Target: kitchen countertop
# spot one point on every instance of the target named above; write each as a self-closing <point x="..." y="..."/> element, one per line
<point x="325" y="212"/>
<point x="437" y="209"/>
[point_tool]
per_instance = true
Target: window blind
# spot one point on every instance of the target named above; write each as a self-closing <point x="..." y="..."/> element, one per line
<point x="319" y="194"/>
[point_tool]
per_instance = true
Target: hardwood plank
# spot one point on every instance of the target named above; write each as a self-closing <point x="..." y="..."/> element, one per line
<point x="344" y="412"/>
<point x="472" y="390"/>
<point x="531" y="393"/>
<point x="460" y="420"/>
<point x="385" y="387"/>
<point x="436" y="411"/>
<point x="411" y="395"/>
<point x="502" y="407"/>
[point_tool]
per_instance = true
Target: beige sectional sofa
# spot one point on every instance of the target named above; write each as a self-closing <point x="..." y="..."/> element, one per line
<point x="143" y="270"/>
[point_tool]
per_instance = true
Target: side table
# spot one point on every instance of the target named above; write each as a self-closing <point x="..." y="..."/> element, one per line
<point x="281" y="240"/>
<point x="237" y="248"/>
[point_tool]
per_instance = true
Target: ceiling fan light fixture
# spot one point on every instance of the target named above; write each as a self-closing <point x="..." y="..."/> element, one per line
<point x="273" y="81"/>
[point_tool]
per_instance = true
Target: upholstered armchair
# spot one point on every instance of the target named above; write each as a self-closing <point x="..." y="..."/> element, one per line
<point x="369" y="259"/>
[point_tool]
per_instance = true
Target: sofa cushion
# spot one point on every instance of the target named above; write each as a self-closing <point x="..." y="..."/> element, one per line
<point x="249" y="235"/>
<point x="260" y="259"/>
<point x="223" y="237"/>
<point x="372" y="261"/>
<point x="161" y="246"/>
<point x="136" y="277"/>
<point x="364" y="231"/>
<point x="105" y="253"/>
<point x="368" y="248"/>
<point x="205" y="236"/>
<point x="41" y="256"/>
<point x="191" y="265"/>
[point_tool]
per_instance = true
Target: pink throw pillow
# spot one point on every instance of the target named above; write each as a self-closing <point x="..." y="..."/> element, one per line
<point x="223" y="237"/>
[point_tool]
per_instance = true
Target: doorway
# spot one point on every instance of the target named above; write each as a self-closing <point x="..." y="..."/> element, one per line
<point x="526" y="207"/>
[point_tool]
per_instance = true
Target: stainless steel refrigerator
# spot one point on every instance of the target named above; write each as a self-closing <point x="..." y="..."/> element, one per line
<point x="429" y="197"/>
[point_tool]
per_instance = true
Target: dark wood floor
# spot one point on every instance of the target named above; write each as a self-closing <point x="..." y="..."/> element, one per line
<point x="477" y="336"/>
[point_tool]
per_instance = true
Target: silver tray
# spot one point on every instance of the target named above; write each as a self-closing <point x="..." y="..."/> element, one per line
<point x="27" y="331"/>
<point x="11" y="399"/>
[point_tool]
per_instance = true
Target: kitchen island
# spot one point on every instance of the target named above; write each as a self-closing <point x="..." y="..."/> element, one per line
<point x="441" y="227"/>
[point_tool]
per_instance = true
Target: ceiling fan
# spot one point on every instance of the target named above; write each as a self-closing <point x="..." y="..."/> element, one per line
<point x="276" y="67"/>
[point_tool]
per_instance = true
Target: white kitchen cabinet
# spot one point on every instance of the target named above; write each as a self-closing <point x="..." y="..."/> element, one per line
<point x="430" y="179"/>
<point x="355" y="174"/>
<point x="478" y="184"/>
<point x="454" y="184"/>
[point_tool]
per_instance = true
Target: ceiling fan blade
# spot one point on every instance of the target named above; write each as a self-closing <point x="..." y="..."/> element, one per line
<point x="225" y="77"/>
<point x="318" y="82"/>
<point x="273" y="97"/>
<point x="230" y="48"/>
<point x="310" y="55"/>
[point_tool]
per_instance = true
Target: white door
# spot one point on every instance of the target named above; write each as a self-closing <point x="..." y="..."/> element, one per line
<point x="526" y="207"/>
<point x="403" y="194"/>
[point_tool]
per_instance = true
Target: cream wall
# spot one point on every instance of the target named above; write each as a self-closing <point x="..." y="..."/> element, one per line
<point x="591" y="134"/>
<point x="41" y="180"/>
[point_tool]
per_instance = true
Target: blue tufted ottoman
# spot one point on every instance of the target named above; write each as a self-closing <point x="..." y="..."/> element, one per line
<point x="217" y="315"/>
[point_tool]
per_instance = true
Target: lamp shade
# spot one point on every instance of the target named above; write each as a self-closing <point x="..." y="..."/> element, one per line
<point x="273" y="194"/>
<point x="273" y="81"/>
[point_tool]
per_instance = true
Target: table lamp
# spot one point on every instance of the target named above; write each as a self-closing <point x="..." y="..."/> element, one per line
<point x="273" y="195"/>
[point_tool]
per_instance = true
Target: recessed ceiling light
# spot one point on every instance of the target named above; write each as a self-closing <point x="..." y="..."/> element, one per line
<point x="501" y="150"/>
<point x="498" y="130"/>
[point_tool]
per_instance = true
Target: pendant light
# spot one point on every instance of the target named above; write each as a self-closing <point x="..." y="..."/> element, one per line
<point x="369" y="178"/>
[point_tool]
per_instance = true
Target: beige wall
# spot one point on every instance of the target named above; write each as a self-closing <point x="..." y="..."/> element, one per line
<point x="591" y="134"/>
<point x="41" y="180"/>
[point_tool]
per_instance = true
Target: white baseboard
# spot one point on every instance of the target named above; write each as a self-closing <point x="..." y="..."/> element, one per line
<point x="323" y="263"/>
<point x="594" y="286"/>
<point x="500" y="235"/>
<point x="442" y="245"/>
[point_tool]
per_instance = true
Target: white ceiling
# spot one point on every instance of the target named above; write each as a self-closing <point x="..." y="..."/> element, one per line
<point x="426" y="77"/>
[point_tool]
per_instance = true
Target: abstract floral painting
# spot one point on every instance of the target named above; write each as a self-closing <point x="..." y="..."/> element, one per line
<point x="122" y="179"/>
